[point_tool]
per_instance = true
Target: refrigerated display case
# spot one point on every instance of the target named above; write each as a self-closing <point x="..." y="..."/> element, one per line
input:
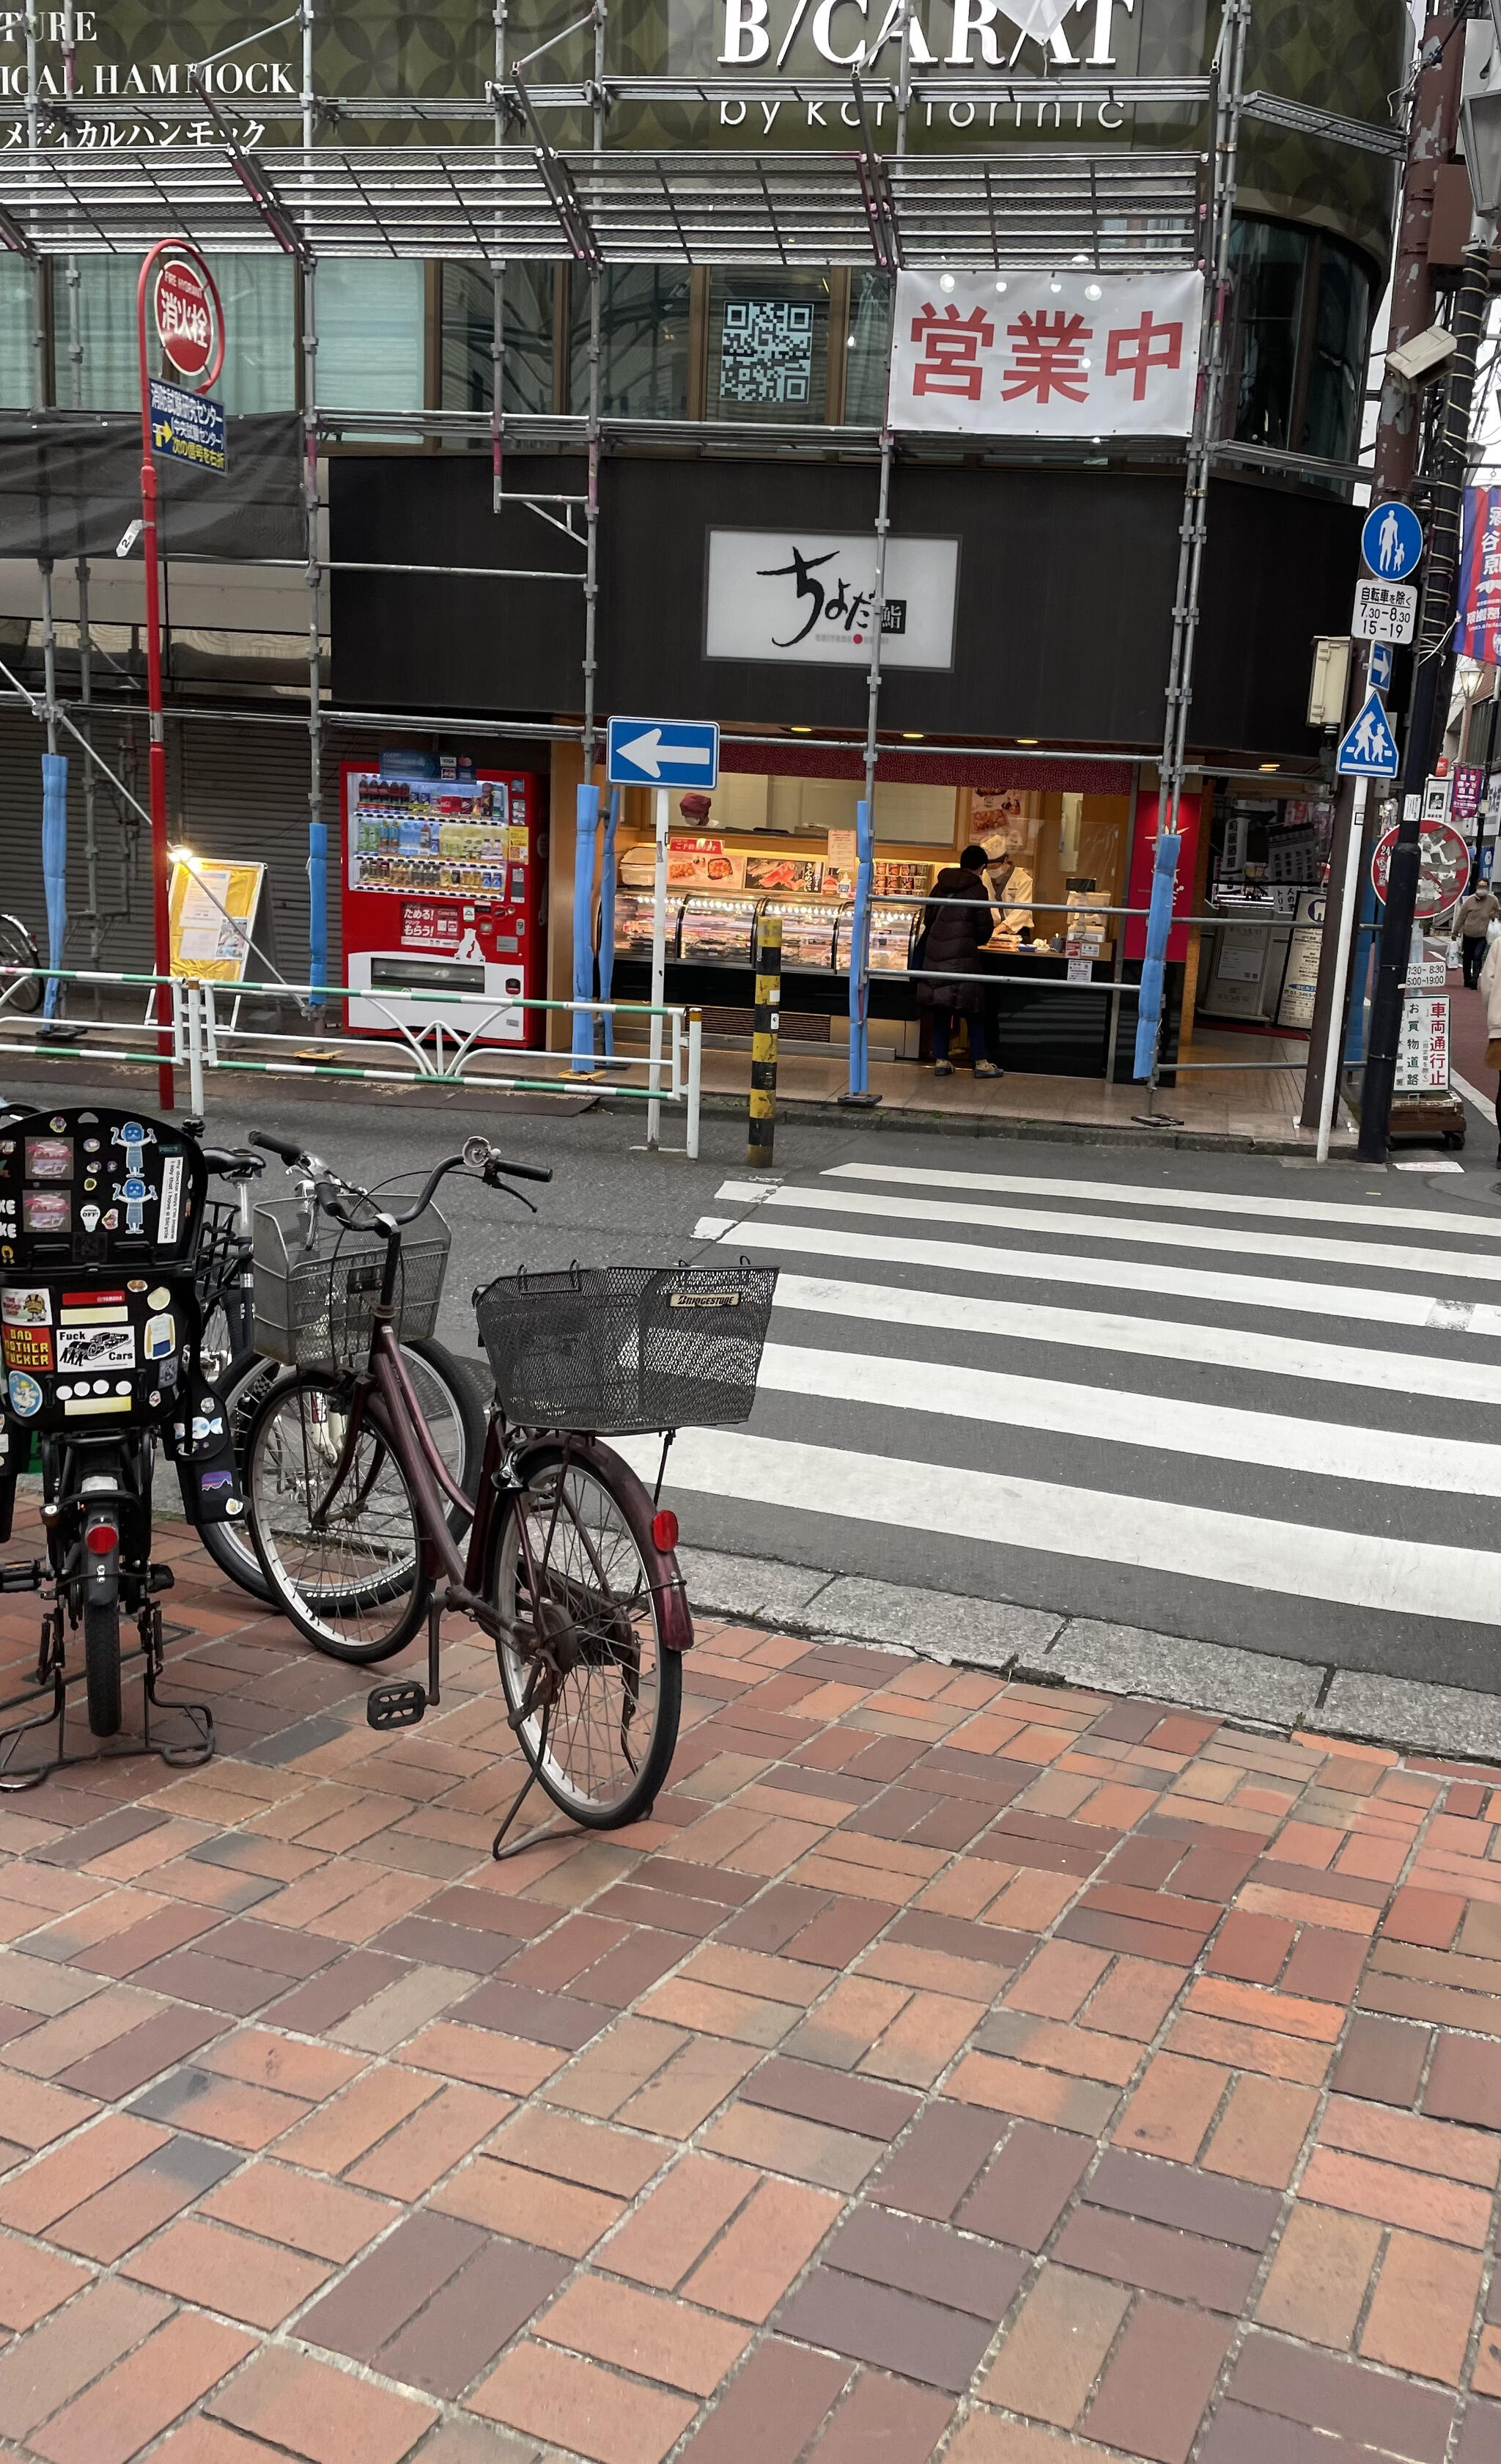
<point x="807" y="928"/>
<point x="717" y="931"/>
<point x="634" y="911"/>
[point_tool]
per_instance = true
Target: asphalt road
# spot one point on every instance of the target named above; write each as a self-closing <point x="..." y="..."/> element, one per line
<point x="1233" y="1397"/>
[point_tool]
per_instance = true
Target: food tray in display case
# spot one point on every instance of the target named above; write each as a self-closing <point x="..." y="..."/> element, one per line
<point x="634" y="912"/>
<point x="717" y="931"/>
<point x="890" y="938"/>
<point x="807" y="932"/>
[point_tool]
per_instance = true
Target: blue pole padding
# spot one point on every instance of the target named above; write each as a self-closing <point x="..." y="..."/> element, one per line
<point x="55" y="865"/>
<point x="585" y="831"/>
<point x="607" y="918"/>
<point x="318" y="910"/>
<point x="1158" y="924"/>
<point x="859" y="954"/>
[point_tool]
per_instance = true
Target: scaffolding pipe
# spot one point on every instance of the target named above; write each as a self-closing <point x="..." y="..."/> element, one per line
<point x="318" y="829"/>
<point x="33" y="139"/>
<point x="91" y="836"/>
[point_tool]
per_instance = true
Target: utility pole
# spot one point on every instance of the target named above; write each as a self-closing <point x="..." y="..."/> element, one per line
<point x="1433" y="676"/>
<point x="1432" y="130"/>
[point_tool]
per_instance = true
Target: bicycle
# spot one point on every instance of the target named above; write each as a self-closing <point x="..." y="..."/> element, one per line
<point x="20" y="960"/>
<point x="570" y="1566"/>
<point x="242" y="1375"/>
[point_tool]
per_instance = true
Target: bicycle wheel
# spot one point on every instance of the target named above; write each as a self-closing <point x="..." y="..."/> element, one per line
<point x="601" y="1737"/>
<point x="18" y="949"/>
<point x="450" y="1406"/>
<point x="353" y="1583"/>
<point x="101" y="1665"/>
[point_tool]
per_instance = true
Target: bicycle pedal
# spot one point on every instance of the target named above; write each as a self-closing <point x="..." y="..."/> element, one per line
<point x="161" y="1578"/>
<point x="395" y="1706"/>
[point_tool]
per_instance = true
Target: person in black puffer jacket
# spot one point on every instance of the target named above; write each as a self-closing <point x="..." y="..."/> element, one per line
<point x="952" y="936"/>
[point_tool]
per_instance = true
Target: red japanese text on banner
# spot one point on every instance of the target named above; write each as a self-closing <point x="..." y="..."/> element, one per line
<point x="1478" y="635"/>
<point x="1079" y="354"/>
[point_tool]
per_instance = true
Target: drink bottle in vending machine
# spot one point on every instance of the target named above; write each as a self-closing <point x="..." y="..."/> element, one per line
<point x="443" y="895"/>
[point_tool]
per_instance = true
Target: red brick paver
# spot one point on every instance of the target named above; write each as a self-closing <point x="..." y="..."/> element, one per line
<point x="948" y="2068"/>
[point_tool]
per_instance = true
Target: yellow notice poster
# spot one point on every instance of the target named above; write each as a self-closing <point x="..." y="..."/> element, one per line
<point x="212" y="909"/>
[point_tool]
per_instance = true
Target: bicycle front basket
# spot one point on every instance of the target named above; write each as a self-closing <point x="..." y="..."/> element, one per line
<point x="315" y="1306"/>
<point x="622" y="1348"/>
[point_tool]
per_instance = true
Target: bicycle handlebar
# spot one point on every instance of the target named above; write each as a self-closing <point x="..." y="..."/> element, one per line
<point x="334" y="1197"/>
<point x="284" y="1148"/>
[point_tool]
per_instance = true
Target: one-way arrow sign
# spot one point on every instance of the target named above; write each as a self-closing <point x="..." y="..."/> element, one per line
<point x="663" y="753"/>
<point x="1369" y="750"/>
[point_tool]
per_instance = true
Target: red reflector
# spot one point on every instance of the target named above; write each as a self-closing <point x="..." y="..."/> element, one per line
<point x="101" y="1538"/>
<point x="664" y="1529"/>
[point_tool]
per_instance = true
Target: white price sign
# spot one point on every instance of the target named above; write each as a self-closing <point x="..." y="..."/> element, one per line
<point x="1384" y="611"/>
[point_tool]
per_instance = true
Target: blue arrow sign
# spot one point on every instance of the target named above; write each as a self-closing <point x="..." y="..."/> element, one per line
<point x="1379" y="671"/>
<point x="663" y="753"/>
<point x="1391" y="540"/>
<point x="1369" y="751"/>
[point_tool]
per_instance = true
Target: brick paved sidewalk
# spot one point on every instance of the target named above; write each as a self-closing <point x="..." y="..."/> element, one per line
<point x="949" y="2068"/>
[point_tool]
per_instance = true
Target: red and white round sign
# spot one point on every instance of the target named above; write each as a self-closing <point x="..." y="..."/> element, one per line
<point x="187" y="317"/>
<point x="1444" y="869"/>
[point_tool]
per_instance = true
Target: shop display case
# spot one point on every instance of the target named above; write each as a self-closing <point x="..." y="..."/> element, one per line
<point x="890" y="936"/>
<point x="807" y="928"/>
<point x="633" y="922"/>
<point x="715" y="932"/>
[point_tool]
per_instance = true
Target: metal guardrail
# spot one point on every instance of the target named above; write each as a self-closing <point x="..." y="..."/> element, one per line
<point x="206" y="1038"/>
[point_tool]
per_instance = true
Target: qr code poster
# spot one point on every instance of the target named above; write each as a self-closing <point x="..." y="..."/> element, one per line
<point x="765" y="353"/>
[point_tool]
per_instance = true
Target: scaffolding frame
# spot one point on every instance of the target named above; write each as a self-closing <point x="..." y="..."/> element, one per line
<point x="521" y="198"/>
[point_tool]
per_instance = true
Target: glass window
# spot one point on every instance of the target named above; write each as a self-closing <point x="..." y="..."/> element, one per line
<point x="17" y="326"/>
<point x="371" y="328"/>
<point x="468" y="329"/>
<point x="1268" y="266"/>
<point x="768" y="346"/>
<point x="643" y="343"/>
<point x="867" y="350"/>
<point x="260" y="337"/>
<point x="1336" y="355"/>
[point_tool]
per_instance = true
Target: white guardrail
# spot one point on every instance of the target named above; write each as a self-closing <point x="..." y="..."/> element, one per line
<point x="462" y="1047"/>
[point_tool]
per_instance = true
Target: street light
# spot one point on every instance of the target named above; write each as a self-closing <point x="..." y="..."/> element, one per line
<point x="1480" y="121"/>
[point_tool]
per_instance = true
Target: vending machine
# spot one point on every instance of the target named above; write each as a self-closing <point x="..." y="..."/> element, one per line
<point x="443" y="894"/>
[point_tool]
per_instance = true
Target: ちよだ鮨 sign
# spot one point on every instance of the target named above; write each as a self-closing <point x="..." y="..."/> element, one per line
<point x="1077" y="354"/>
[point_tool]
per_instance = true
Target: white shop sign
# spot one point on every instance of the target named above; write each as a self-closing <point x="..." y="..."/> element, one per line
<point x="1422" y="1050"/>
<point x="1079" y="354"/>
<point x="808" y="598"/>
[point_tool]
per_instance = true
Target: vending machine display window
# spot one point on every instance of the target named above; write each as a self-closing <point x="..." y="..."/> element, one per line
<point x="443" y="895"/>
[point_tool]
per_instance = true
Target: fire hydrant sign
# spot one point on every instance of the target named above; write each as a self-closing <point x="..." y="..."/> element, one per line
<point x="1077" y="354"/>
<point x="183" y="311"/>
<point x="186" y="428"/>
<point x="1423" y="1047"/>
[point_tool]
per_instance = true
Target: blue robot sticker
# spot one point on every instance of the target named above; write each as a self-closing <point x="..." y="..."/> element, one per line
<point x="133" y="1193"/>
<point x="25" y="1395"/>
<point x="135" y="1138"/>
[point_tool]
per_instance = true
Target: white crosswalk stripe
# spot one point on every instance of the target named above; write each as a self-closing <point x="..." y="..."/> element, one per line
<point x="1159" y="1439"/>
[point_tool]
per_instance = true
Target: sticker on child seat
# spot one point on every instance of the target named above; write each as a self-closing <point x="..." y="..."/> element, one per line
<point x="96" y="1347"/>
<point x="161" y="1337"/>
<point x="25" y="1394"/>
<point x="25" y="1305"/>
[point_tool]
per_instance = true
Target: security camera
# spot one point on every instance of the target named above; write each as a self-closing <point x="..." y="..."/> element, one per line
<point x="1416" y="363"/>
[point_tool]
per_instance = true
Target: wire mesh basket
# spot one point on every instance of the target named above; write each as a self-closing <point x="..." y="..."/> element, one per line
<point x="315" y="1304"/>
<point x="622" y="1348"/>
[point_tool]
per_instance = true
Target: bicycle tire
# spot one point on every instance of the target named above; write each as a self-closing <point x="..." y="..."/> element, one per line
<point x="18" y="949"/>
<point x="337" y="1584"/>
<point x="446" y="1389"/>
<point x="101" y="1665"/>
<point x="584" y="1759"/>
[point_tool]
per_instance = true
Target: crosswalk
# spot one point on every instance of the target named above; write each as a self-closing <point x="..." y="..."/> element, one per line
<point x="1250" y="1414"/>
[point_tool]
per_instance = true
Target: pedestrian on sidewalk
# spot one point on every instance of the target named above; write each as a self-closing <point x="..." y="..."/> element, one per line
<point x="1490" y="991"/>
<point x="1475" y="913"/>
<point x="951" y="937"/>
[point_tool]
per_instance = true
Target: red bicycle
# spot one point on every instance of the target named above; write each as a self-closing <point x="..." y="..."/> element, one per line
<point x="570" y="1564"/>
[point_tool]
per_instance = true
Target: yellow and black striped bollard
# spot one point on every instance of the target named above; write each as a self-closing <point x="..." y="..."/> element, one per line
<point x="764" y="1025"/>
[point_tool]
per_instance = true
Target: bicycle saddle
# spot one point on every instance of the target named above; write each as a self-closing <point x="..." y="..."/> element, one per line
<point x="233" y="1163"/>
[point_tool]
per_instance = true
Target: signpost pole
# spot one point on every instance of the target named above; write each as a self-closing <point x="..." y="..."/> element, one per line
<point x="659" y="965"/>
<point x="211" y="364"/>
<point x="1349" y="901"/>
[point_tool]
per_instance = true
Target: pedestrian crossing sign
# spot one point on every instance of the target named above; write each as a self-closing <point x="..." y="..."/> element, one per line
<point x="1369" y="749"/>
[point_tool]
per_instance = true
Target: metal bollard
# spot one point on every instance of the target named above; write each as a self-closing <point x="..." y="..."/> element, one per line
<point x="765" y="1027"/>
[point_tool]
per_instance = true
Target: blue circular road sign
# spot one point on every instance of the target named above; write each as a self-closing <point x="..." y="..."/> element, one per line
<point x="1391" y="540"/>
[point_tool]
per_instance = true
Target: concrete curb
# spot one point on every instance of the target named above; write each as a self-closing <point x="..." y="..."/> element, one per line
<point x="1251" y="1688"/>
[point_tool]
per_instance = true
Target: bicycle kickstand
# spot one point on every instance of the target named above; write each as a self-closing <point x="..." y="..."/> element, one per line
<point x="532" y="1838"/>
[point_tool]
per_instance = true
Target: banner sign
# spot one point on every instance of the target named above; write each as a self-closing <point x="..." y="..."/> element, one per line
<point x="1077" y="354"/>
<point x="186" y="427"/>
<point x="1469" y="785"/>
<point x="809" y="597"/>
<point x="1479" y="632"/>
